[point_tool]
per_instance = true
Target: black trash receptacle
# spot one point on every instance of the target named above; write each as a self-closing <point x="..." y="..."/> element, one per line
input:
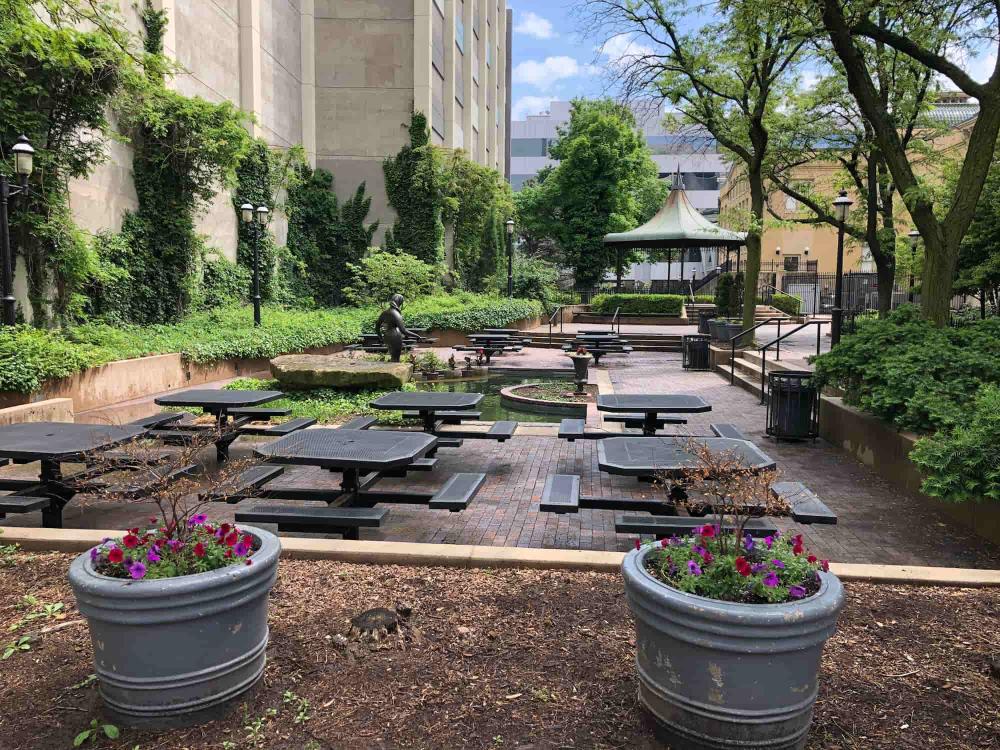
<point x="703" y="317"/>
<point x="695" y="353"/>
<point x="792" y="405"/>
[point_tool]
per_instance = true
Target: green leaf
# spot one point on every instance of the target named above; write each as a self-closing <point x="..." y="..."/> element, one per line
<point x="82" y="737"/>
<point x="110" y="731"/>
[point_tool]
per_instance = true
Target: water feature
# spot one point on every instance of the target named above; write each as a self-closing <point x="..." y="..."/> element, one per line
<point x="490" y="406"/>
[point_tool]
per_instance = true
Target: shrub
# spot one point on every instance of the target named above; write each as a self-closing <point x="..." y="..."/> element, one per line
<point x="638" y="304"/>
<point x="224" y="283"/>
<point x="908" y="372"/>
<point x="29" y="356"/>
<point x="785" y="302"/>
<point x="963" y="464"/>
<point x="723" y="293"/>
<point x="535" y="278"/>
<point x="380" y="275"/>
<point x="704" y="299"/>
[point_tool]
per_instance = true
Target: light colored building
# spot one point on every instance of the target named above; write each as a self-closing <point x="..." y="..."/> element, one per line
<point x="693" y="154"/>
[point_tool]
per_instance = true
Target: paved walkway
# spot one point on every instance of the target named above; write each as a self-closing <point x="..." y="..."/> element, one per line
<point x="878" y="523"/>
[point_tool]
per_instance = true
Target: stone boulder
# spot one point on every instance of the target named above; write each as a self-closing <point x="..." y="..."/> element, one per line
<point x="297" y="371"/>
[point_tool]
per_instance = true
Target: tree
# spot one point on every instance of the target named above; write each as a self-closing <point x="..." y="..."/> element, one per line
<point x="913" y="28"/>
<point x="533" y="219"/>
<point x="824" y="125"/>
<point x="606" y="181"/>
<point x="415" y="184"/>
<point x="56" y="83"/>
<point x="979" y="254"/>
<point x="727" y="77"/>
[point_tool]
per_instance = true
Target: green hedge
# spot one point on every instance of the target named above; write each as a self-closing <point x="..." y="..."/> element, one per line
<point x="29" y="356"/>
<point x="638" y="304"/>
<point x="910" y="373"/>
<point x="784" y="302"/>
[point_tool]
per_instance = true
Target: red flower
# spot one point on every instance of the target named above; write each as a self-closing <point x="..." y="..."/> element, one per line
<point x="797" y="548"/>
<point x="825" y="565"/>
<point x="708" y="530"/>
<point x="742" y="566"/>
<point x="199" y="550"/>
<point x="224" y="528"/>
<point x="249" y="561"/>
<point x="208" y="529"/>
<point x="134" y="531"/>
<point x="229" y="553"/>
<point x="232" y="539"/>
<point x="131" y="541"/>
<point x="116" y="555"/>
<point x="248" y="540"/>
<point x="638" y="544"/>
<point x="811" y="558"/>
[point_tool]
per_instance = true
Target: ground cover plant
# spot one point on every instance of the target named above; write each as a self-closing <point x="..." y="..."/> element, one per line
<point x="30" y="356"/>
<point x="516" y="658"/>
<point x="561" y="392"/>
<point x="325" y="405"/>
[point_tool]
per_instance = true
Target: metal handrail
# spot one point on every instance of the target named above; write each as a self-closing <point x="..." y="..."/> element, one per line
<point x="557" y="311"/>
<point x="765" y="285"/>
<point x="737" y="337"/>
<point x="763" y="350"/>
<point x="616" y="319"/>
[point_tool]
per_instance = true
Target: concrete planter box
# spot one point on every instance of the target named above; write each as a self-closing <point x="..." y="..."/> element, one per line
<point x="510" y="397"/>
<point x="724" y="675"/>
<point x="178" y="651"/>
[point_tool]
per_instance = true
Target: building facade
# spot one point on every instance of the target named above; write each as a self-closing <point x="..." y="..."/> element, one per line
<point x="339" y="77"/>
<point x="692" y="154"/>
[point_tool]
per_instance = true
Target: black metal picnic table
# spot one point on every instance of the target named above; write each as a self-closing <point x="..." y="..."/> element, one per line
<point x="427" y="404"/>
<point x="672" y="456"/>
<point x="651" y="405"/>
<point x="218" y="402"/>
<point x="53" y="444"/>
<point x="491" y="343"/>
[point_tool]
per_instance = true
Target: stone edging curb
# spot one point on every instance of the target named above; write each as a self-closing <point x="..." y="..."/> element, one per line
<point x="478" y="556"/>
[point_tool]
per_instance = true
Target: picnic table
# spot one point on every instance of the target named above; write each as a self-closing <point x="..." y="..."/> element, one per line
<point x="671" y="456"/>
<point x="54" y="444"/>
<point x="438" y="408"/>
<point x="598" y="344"/>
<point x="491" y="343"/>
<point x="232" y="409"/>
<point x="363" y="457"/>
<point x="648" y="407"/>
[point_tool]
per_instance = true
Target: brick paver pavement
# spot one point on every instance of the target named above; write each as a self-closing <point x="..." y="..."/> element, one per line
<point x="878" y="523"/>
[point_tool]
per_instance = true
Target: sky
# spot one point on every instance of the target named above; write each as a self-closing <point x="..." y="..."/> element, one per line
<point x="552" y="59"/>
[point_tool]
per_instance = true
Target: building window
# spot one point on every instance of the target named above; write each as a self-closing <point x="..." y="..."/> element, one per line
<point x="529" y="146"/>
<point x="437" y="42"/>
<point x="812" y="266"/>
<point x="459" y="76"/>
<point x="460" y="25"/>
<point x="792" y="263"/>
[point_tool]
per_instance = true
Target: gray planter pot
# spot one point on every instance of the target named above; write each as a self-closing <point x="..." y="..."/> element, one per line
<point x="723" y="675"/>
<point x="713" y="328"/>
<point x="178" y="651"/>
<point x="726" y="331"/>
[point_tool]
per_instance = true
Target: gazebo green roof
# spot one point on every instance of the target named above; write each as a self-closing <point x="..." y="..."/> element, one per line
<point x="677" y="224"/>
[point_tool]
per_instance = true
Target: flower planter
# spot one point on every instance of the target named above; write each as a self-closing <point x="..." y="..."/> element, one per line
<point x="718" y="674"/>
<point x="178" y="651"/>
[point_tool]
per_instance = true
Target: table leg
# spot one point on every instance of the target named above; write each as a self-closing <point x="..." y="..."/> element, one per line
<point x="349" y="481"/>
<point x="649" y="423"/>
<point x="429" y="420"/>
<point x="50" y="475"/>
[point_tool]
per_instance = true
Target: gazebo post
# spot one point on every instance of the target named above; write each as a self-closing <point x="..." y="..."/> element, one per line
<point x="682" y="270"/>
<point x="618" y="270"/>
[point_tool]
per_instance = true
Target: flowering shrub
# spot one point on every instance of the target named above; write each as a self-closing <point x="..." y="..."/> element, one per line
<point x="162" y="553"/>
<point x="721" y="566"/>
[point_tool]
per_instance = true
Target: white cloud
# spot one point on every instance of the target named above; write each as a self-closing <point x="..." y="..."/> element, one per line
<point x="529" y="105"/>
<point x="621" y="49"/>
<point x="543" y="74"/>
<point x="981" y="68"/>
<point x="534" y="25"/>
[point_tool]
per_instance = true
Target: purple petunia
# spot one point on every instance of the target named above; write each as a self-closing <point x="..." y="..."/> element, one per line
<point x="769" y="540"/>
<point x="152" y="556"/>
<point x="174" y="544"/>
<point x="137" y="570"/>
<point x="796" y="592"/>
<point x="241" y="549"/>
<point x="94" y="553"/>
<point x="778" y="564"/>
<point x="693" y="567"/>
<point x="771" y="580"/>
<point x="748" y="542"/>
<point x="197" y="520"/>
<point x="757" y="567"/>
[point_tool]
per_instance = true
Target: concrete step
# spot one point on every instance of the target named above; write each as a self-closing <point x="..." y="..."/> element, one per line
<point x="741" y="379"/>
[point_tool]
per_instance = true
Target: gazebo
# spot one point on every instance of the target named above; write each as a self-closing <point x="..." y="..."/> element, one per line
<point x="677" y="225"/>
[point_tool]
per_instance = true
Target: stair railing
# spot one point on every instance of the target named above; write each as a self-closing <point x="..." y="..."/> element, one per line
<point x="763" y="349"/>
<point x="616" y="319"/>
<point x="552" y="317"/>
<point x="737" y="337"/>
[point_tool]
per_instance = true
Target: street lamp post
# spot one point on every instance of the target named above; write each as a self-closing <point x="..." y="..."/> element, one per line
<point x="841" y="206"/>
<point x="510" y="257"/>
<point x="255" y="219"/>
<point x="914" y="237"/>
<point x="24" y="156"/>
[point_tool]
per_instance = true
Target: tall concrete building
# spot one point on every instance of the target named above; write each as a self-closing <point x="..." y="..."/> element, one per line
<point x="692" y="153"/>
<point x="340" y="77"/>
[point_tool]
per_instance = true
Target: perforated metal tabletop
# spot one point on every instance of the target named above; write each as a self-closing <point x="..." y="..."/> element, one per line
<point x="371" y="450"/>
<point x="37" y="441"/>
<point x="217" y="399"/>
<point x="427" y="401"/>
<point x="646" y="456"/>
<point x="652" y="402"/>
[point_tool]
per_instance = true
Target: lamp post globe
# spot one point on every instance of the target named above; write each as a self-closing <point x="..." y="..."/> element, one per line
<point x="24" y="157"/>
<point x="841" y="207"/>
<point x="246" y="213"/>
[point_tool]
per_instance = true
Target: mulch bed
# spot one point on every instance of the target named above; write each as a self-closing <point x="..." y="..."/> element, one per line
<point x="506" y="659"/>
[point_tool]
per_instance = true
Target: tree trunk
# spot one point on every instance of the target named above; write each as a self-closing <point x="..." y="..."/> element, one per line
<point x="752" y="270"/>
<point x="886" y="274"/>
<point x="936" y="280"/>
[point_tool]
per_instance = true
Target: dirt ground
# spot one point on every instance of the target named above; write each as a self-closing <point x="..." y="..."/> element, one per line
<point x="501" y="659"/>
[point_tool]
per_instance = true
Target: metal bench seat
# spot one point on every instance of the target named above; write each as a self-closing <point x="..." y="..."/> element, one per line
<point x="661" y="526"/>
<point x="448" y="417"/>
<point x="22" y="504"/>
<point x="805" y="504"/>
<point x="157" y="420"/>
<point x="280" y="430"/>
<point x="726" y="430"/>
<point x="421" y="464"/>
<point x="259" y="412"/>
<point x="135" y="484"/>
<point x="243" y="484"/>
<point x="573" y="429"/>
<point x="329" y="520"/>
<point x="457" y="492"/>
<point x="637" y="420"/>
<point x="561" y="494"/>
<point x="359" y="423"/>
<point x="500" y="431"/>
